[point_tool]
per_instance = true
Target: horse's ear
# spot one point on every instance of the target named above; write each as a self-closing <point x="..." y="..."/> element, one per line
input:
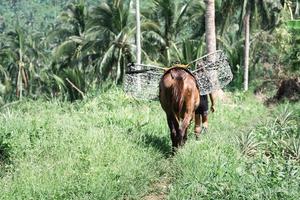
<point x="172" y="74"/>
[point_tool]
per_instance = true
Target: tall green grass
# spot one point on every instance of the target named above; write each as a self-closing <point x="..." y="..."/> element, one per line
<point x="85" y="150"/>
<point x="110" y="146"/>
<point x="227" y="165"/>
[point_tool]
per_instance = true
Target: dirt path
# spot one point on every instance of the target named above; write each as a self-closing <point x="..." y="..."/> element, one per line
<point x="159" y="189"/>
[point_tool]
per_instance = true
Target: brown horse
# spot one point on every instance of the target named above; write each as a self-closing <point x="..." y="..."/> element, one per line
<point x="179" y="97"/>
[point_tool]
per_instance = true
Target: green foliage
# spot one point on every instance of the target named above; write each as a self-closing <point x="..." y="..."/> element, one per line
<point x="60" y="150"/>
<point x="280" y="137"/>
<point x="110" y="23"/>
<point x="163" y="30"/>
<point x="101" y="148"/>
<point x="32" y="15"/>
<point x="293" y="57"/>
<point x="234" y="160"/>
<point x="90" y="42"/>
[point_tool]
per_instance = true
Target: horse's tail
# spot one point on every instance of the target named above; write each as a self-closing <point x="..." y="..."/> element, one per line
<point x="177" y="88"/>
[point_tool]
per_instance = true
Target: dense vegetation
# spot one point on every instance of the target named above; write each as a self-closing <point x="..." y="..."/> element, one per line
<point x="101" y="148"/>
<point x="47" y="45"/>
<point x="96" y="142"/>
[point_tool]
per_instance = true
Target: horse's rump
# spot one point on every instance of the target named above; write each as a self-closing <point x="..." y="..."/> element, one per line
<point x="179" y="97"/>
<point x="177" y="87"/>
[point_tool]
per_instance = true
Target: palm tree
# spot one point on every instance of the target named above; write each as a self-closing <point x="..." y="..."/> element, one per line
<point x="210" y="28"/>
<point x="231" y="19"/>
<point x="138" y="32"/>
<point x="163" y="28"/>
<point x="109" y="37"/>
<point x="5" y="79"/>
<point x="23" y="61"/>
<point x="210" y="38"/>
<point x="247" y="46"/>
<point x="15" y="57"/>
<point x="138" y="41"/>
<point x="261" y="15"/>
<point x="69" y="63"/>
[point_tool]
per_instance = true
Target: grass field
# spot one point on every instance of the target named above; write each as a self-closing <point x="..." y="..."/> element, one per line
<point x="110" y="146"/>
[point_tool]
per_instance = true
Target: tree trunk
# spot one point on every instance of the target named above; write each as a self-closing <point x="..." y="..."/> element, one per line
<point x="288" y="3"/>
<point x="211" y="43"/>
<point x="210" y="29"/>
<point x="246" y="48"/>
<point x="297" y="9"/>
<point x="138" y="41"/>
<point x="119" y="69"/>
<point x="20" y="81"/>
<point x="138" y="32"/>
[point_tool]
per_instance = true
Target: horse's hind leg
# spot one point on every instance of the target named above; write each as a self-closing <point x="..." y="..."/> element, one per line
<point x="173" y="125"/>
<point x="183" y="130"/>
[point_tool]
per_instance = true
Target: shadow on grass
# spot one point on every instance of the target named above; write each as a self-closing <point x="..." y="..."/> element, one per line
<point x="160" y="144"/>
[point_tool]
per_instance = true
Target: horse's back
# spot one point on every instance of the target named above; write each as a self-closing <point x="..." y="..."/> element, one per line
<point x="178" y="91"/>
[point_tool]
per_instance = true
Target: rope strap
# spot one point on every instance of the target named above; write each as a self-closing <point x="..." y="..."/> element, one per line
<point x="176" y="65"/>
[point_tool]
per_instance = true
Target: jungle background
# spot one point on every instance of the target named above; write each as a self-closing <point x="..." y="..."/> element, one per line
<point x="89" y="142"/>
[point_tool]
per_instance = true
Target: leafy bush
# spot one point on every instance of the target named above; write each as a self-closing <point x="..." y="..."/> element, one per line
<point x="280" y="136"/>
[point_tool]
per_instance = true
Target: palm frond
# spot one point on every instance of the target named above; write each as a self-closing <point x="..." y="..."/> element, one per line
<point x="107" y="59"/>
<point x="248" y="144"/>
<point x="66" y="49"/>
